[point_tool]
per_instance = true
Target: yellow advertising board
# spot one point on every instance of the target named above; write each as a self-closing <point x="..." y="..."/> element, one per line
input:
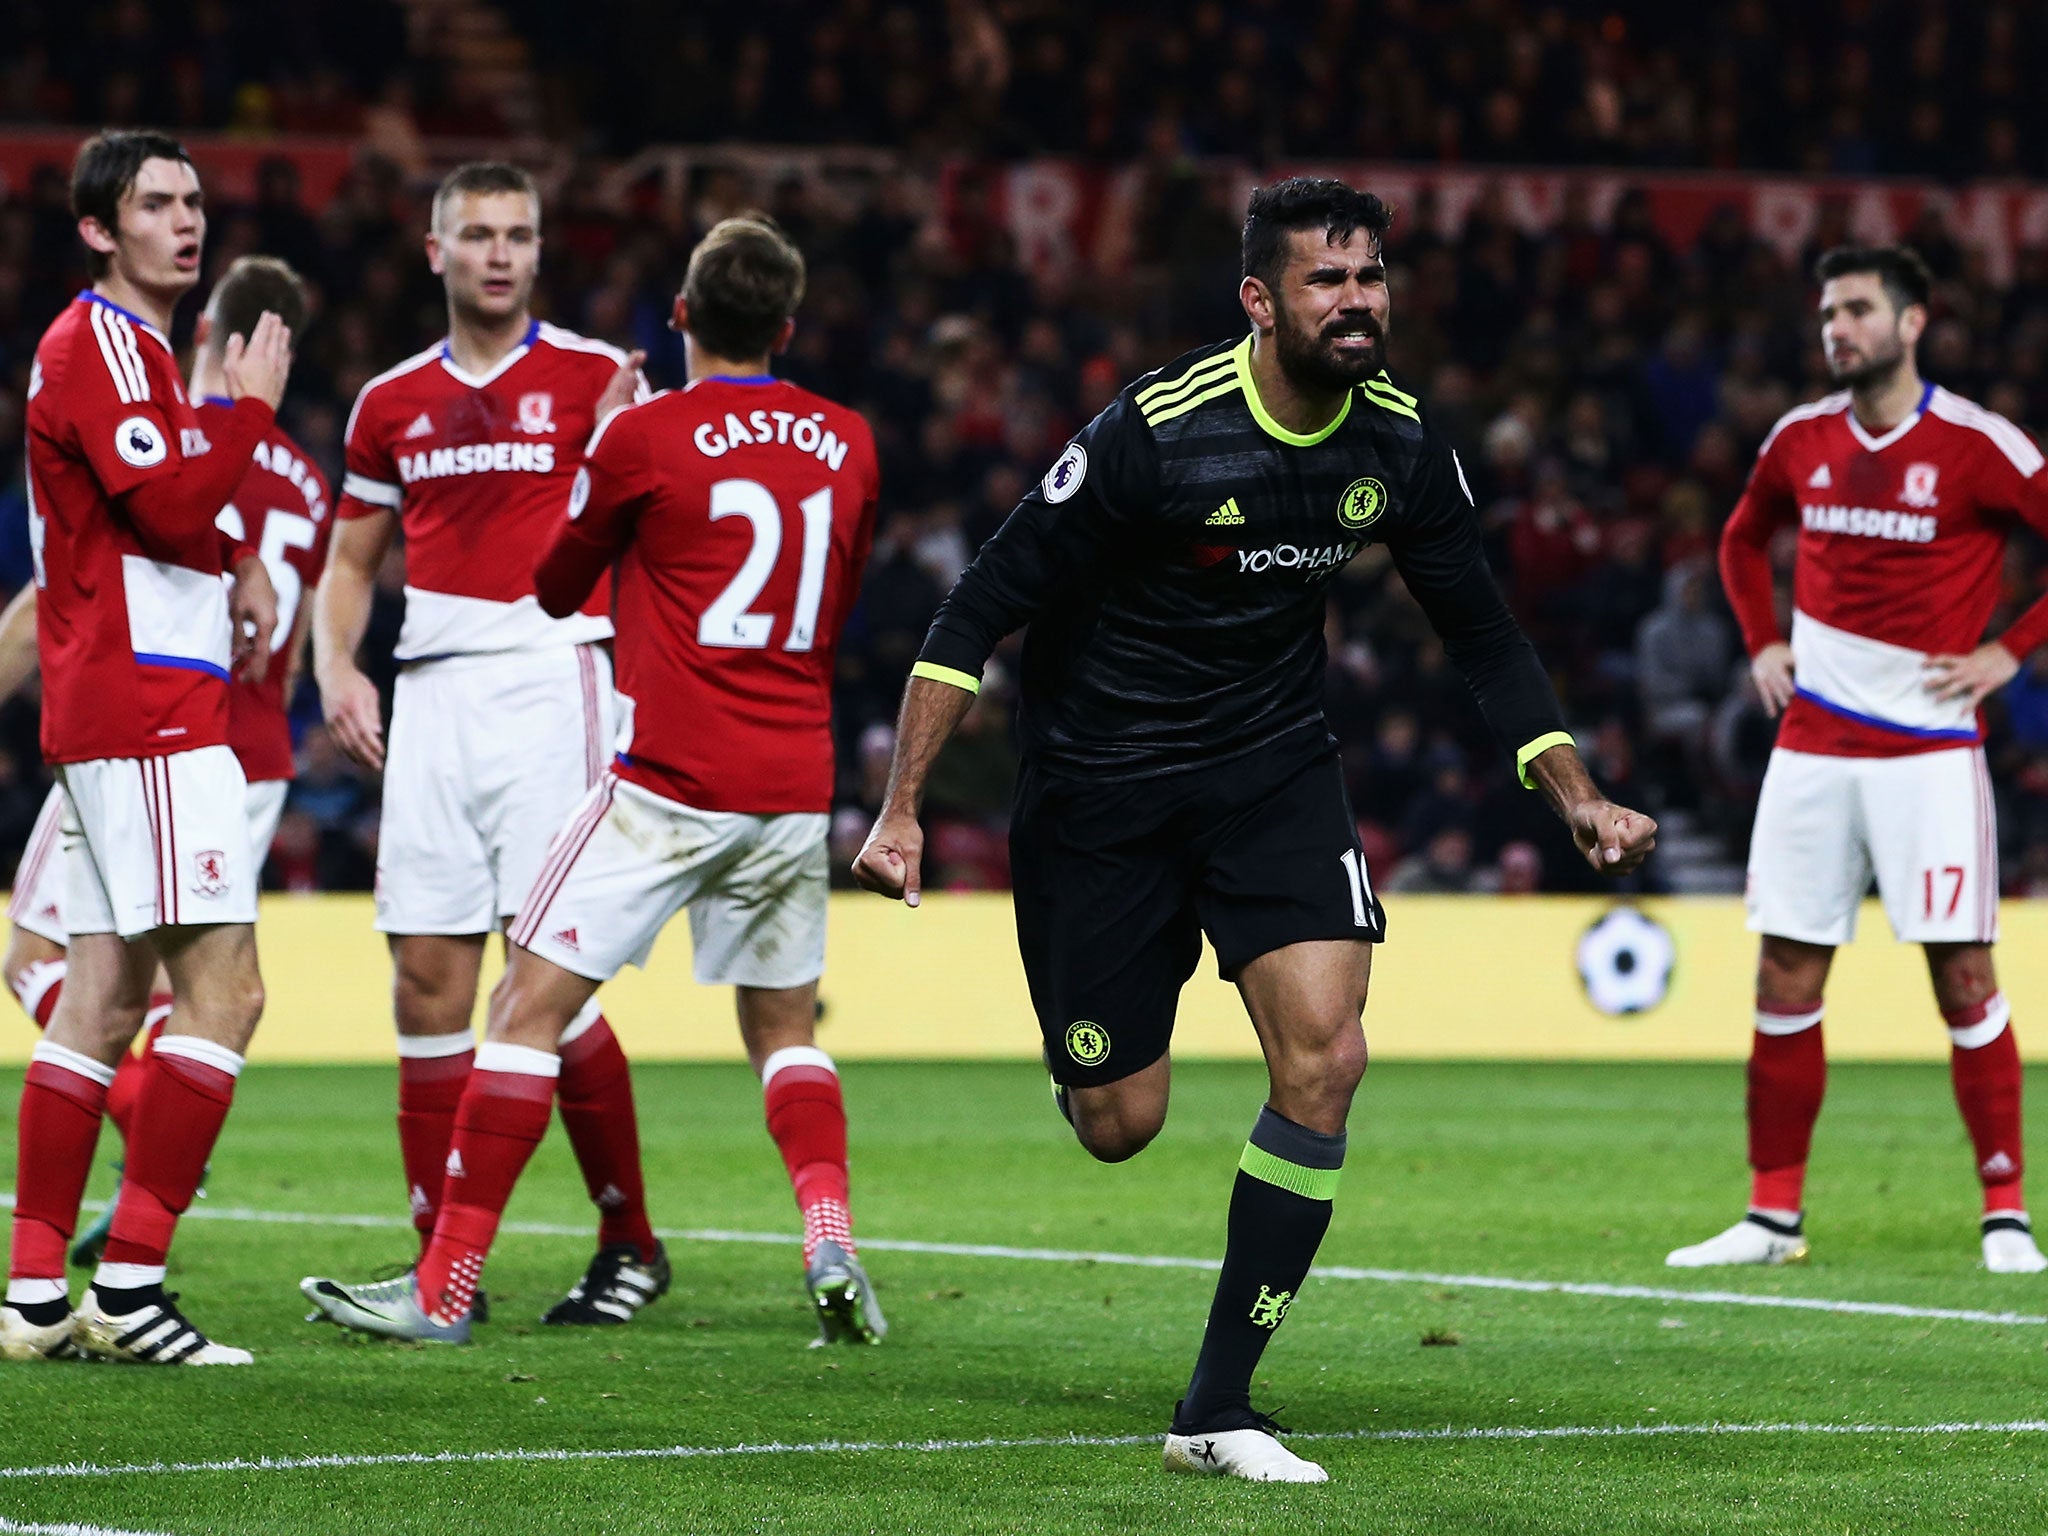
<point x="1460" y="977"/>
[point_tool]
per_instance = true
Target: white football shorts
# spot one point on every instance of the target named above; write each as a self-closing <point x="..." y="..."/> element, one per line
<point x="155" y="842"/>
<point x="1923" y="826"/>
<point x="629" y="859"/>
<point x="37" y="900"/>
<point x="488" y="755"/>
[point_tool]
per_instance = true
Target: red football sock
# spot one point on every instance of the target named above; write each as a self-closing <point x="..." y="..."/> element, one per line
<point x="596" y="1100"/>
<point x="38" y="987"/>
<point x="189" y="1085"/>
<point x="431" y="1072"/>
<point x="807" y="1118"/>
<point x="502" y="1117"/>
<point x="62" y="1098"/>
<point x="1984" y="1063"/>
<point x="126" y="1092"/>
<point x="1788" y="1076"/>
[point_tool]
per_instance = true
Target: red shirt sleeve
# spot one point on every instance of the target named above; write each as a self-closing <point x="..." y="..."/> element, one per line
<point x="1767" y="504"/>
<point x="168" y="506"/>
<point x="2026" y="495"/>
<point x="369" y="481"/>
<point x="604" y="502"/>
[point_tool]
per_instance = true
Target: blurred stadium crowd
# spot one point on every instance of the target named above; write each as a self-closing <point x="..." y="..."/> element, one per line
<point x="1606" y="390"/>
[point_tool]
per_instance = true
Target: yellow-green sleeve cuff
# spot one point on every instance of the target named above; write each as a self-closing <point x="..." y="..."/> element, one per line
<point x="951" y="675"/>
<point x="1536" y="749"/>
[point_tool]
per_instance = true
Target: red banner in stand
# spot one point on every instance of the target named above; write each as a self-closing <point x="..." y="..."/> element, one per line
<point x="1067" y="217"/>
<point x="227" y="166"/>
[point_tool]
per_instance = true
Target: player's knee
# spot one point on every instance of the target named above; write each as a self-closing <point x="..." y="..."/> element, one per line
<point x="1114" y="1130"/>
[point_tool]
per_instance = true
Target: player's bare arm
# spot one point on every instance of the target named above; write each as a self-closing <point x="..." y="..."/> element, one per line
<point x="1974" y="677"/>
<point x="341" y="616"/>
<point x="18" y="641"/>
<point x="1614" y="839"/>
<point x="891" y="862"/>
<point x="252" y="617"/>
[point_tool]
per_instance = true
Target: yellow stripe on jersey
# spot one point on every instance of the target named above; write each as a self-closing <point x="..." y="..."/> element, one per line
<point x="1371" y="390"/>
<point x="1226" y="386"/>
<point x="1163" y="393"/>
<point x="1387" y="385"/>
<point x="950" y="675"/>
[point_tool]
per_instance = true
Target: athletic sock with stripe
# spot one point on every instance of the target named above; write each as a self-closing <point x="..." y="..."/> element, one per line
<point x="1279" y="1210"/>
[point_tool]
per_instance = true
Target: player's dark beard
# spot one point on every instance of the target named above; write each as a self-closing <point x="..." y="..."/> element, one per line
<point x="1872" y="367"/>
<point x="1311" y="360"/>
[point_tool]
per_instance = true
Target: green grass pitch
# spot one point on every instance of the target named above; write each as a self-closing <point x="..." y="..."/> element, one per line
<point x="1566" y="1173"/>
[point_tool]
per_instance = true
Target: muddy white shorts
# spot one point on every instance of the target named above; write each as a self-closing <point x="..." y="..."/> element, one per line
<point x="154" y="842"/>
<point x="37" y="900"/>
<point x="629" y="859"/>
<point x="1923" y="826"/>
<point x="488" y="756"/>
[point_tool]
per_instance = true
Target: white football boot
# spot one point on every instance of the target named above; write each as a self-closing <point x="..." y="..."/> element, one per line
<point x="1253" y="1453"/>
<point x="2009" y="1246"/>
<point x="1756" y="1239"/>
<point x="21" y="1339"/>
<point x="155" y="1333"/>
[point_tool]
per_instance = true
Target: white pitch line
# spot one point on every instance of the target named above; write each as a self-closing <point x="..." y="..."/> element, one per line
<point x="76" y="1469"/>
<point x="30" y="1528"/>
<point x="1599" y="1289"/>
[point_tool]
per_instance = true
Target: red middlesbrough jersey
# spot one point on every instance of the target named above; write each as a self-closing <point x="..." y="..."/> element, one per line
<point x="740" y="512"/>
<point x="131" y="612"/>
<point x="478" y="467"/>
<point x="281" y="511"/>
<point x="1900" y="549"/>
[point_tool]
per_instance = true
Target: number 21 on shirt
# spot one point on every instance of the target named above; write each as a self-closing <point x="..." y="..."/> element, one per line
<point x="729" y="620"/>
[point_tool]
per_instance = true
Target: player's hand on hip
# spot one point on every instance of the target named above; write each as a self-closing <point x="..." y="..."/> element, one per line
<point x="1771" y="668"/>
<point x="260" y="365"/>
<point x="252" y="618"/>
<point x="356" y="717"/>
<point x="1972" y="678"/>
<point x="626" y="386"/>
<point x="1614" y="839"/>
<point x="891" y="861"/>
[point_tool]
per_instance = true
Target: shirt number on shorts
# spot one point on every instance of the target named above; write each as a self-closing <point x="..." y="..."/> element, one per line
<point x="1953" y="873"/>
<point x="1361" y="887"/>
<point x="727" y="622"/>
<point x="281" y="531"/>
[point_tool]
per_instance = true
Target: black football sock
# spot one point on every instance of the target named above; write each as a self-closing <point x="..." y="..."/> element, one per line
<point x="1279" y="1211"/>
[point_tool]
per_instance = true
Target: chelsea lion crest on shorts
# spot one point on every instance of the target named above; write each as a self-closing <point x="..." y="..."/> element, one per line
<point x="1362" y="502"/>
<point x="1087" y="1043"/>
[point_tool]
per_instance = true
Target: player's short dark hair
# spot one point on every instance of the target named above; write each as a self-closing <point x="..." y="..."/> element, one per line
<point x="1306" y="202"/>
<point x="1899" y="268"/>
<point x="483" y="176"/>
<point x="746" y="277"/>
<point x="251" y="286"/>
<point x="105" y="170"/>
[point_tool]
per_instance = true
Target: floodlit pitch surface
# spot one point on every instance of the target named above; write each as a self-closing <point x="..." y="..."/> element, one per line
<point x="1448" y="1405"/>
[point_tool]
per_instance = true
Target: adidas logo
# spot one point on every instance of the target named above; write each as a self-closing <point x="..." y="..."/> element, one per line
<point x="1998" y="1165"/>
<point x="455" y="1170"/>
<point x="611" y="1199"/>
<point x="1821" y="479"/>
<point x="420" y="1203"/>
<point x="566" y="938"/>
<point x="423" y="426"/>
<point x="1225" y="516"/>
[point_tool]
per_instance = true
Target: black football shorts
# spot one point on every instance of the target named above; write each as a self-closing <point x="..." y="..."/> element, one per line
<point x="1116" y="882"/>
